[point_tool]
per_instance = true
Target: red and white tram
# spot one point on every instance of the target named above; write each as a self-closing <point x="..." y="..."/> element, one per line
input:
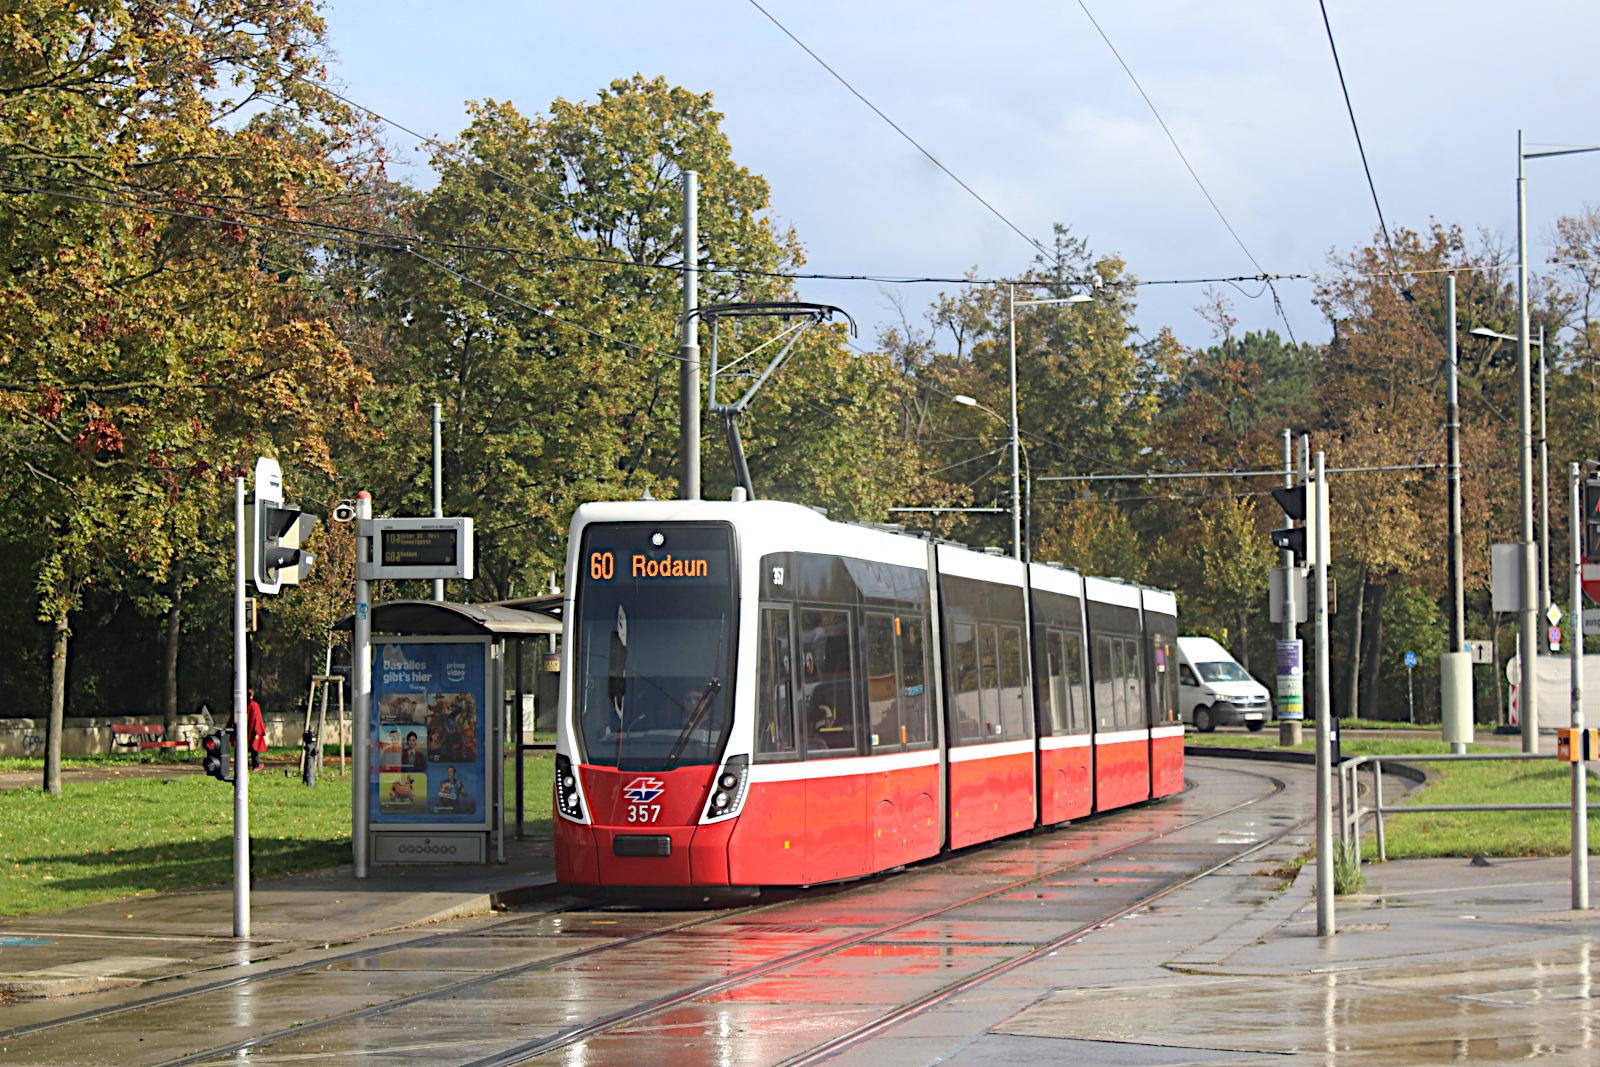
<point x="753" y="695"/>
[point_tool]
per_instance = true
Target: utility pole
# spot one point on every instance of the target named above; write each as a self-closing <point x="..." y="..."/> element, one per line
<point x="689" y="351"/>
<point x="361" y="698"/>
<point x="1528" y="617"/>
<point x="1011" y="379"/>
<point x="438" y="489"/>
<point x="1455" y="672"/>
<point x="1458" y="595"/>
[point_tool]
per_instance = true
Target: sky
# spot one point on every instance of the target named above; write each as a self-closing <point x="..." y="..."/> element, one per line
<point x="1028" y="105"/>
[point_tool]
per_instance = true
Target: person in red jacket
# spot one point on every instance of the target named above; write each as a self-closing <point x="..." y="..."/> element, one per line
<point x="258" y="730"/>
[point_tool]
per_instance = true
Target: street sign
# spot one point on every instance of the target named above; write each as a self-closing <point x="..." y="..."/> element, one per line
<point x="1555" y="638"/>
<point x="418" y="548"/>
<point x="1483" y="651"/>
<point x="1591" y="622"/>
<point x="1591" y="581"/>
<point x="1411" y="660"/>
<point x="1553" y="615"/>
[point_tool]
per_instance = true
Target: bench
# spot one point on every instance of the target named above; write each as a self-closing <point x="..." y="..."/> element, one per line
<point x="145" y="735"/>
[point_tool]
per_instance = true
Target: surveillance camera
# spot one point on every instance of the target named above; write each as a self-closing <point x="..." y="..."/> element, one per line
<point x="344" y="511"/>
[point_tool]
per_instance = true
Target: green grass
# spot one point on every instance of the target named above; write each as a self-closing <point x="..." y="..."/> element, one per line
<point x="1467" y="833"/>
<point x="104" y="840"/>
<point x="1472" y="833"/>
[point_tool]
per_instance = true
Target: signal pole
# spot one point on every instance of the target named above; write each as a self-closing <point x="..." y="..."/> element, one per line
<point x="1580" y="772"/>
<point x="241" y="725"/>
<point x="1317" y="502"/>
<point x="438" y="487"/>
<point x="361" y="699"/>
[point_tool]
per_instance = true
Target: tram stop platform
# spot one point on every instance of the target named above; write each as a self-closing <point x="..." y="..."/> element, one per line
<point x="113" y="944"/>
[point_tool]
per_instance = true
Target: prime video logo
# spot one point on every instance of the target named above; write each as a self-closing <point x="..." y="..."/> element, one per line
<point x="455" y="672"/>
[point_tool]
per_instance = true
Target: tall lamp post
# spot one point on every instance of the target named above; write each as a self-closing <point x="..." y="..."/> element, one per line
<point x="1012" y="303"/>
<point x="1545" y="598"/>
<point x="1529" y="615"/>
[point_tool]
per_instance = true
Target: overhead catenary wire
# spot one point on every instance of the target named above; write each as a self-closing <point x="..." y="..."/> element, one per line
<point x="1356" y="129"/>
<point x="1277" y="303"/>
<point x="360" y="237"/>
<point x="876" y="110"/>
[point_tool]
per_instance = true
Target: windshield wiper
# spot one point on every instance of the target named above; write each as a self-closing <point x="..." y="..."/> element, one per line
<point x="713" y="687"/>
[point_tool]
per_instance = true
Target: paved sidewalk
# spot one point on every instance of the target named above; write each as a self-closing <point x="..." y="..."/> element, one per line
<point x="1439" y="961"/>
<point x="125" y="942"/>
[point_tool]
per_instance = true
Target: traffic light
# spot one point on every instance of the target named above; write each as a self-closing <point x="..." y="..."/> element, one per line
<point x="216" y="762"/>
<point x="1300" y="540"/>
<point x="1591" y="519"/>
<point x="1292" y="499"/>
<point x="1292" y="539"/>
<point x="276" y="533"/>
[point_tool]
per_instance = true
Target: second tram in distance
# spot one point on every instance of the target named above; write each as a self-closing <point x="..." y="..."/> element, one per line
<point x="753" y="695"/>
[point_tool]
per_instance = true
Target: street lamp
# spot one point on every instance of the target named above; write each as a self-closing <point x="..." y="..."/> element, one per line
<point x="967" y="401"/>
<point x="1529" y="627"/>
<point x="1544" y="466"/>
<point x="1012" y="303"/>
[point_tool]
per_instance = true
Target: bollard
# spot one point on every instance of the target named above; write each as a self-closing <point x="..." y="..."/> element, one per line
<point x="308" y="760"/>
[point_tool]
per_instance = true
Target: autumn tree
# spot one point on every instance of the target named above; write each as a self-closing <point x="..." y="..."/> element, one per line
<point x="155" y="334"/>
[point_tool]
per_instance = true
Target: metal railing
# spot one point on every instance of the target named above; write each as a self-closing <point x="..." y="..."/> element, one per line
<point x="1351" y="812"/>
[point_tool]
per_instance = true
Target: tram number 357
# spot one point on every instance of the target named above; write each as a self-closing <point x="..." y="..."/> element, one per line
<point x="644" y="812"/>
<point x="602" y="566"/>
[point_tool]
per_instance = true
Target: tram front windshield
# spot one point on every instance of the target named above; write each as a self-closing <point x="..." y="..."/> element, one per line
<point x="655" y="631"/>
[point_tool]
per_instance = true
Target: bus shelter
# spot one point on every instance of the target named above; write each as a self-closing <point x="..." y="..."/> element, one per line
<point x="438" y="724"/>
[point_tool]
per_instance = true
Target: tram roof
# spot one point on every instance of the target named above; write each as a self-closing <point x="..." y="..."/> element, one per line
<point x="421" y="617"/>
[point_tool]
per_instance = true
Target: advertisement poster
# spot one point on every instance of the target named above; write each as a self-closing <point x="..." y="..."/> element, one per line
<point x="1291" y="680"/>
<point x="428" y="703"/>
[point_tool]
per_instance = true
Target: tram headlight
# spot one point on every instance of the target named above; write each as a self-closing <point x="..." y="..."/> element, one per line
<point x="567" y="800"/>
<point x="731" y="782"/>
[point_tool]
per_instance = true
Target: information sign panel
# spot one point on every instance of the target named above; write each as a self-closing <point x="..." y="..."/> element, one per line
<point x="430" y="734"/>
<point x="418" y="548"/>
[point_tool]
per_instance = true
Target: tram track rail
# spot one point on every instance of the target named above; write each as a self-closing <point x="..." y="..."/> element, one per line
<point x="598" y="1027"/>
<point x="534" y="1049"/>
<point x="643" y="1009"/>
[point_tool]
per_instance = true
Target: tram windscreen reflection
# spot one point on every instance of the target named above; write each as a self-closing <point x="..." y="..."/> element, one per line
<point x="656" y="624"/>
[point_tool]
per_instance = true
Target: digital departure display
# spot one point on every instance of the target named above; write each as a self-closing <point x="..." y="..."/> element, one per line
<point x="689" y="555"/>
<point x="418" y="548"/>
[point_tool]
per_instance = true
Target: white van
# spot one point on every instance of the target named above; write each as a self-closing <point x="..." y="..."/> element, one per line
<point x="1214" y="690"/>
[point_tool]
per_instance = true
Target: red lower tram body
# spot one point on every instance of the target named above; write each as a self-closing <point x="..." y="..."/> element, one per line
<point x="889" y="700"/>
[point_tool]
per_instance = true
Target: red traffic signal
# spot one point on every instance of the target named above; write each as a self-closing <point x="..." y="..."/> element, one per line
<point x="216" y="762"/>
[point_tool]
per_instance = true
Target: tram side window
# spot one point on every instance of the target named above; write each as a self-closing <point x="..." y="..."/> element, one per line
<point x="1138" y="711"/>
<point x="969" y="708"/>
<point x="989" y="677"/>
<point x="1055" y="656"/>
<point x="1105" y="705"/>
<point x="775" y="684"/>
<point x="1172" y="683"/>
<point x="1119" y="682"/>
<point x="1013" y="695"/>
<point x="1076" y="686"/>
<point x="913" y="681"/>
<point x="827" y="682"/>
<point x="883" y="688"/>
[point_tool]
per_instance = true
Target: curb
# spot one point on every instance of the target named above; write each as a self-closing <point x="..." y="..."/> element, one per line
<point x="1391" y="764"/>
<point x="36" y="987"/>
